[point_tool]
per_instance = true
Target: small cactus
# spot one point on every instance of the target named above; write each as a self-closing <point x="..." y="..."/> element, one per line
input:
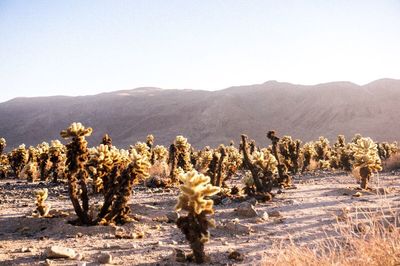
<point x="366" y="159"/>
<point x="194" y="190"/>
<point x="42" y="209"/>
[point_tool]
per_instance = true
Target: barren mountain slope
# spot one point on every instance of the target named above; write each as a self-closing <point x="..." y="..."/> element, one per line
<point x="210" y="118"/>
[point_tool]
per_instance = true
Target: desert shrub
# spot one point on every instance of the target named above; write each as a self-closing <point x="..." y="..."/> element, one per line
<point x="366" y="159"/>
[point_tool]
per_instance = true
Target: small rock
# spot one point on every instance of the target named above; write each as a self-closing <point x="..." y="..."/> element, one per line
<point x="79" y="235"/>
<point x="275" y="214"/>
<point x="236" y="228"/>
<point x="179" y="255"/>
<point x="247" y="210"/>
<point x="235" y="255"/>
<point x="78" y="256"/>
<point x="25" y="249"/>
<point x="362" y="228"/>
<point x="172" y="217"/>
<point x="225" y="243"/>
<point x="60" y="252"/>
<point x="104" y="258"/>
<point x="357" y="194"/>
<point x="264" y="216"/>
<point x="226" y="201"/>
<point x="48" y="262"/>
<point x="106" y="245"/>
<point x="160" y="243"/>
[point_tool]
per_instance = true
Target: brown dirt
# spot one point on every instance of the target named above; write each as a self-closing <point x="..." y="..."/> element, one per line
<point x="304" y="216"/>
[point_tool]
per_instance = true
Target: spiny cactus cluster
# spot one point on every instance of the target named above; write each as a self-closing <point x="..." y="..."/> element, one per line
<point x="42" y="208"/>
<point x="366" y="159"/>
<point x="194" y="190"/>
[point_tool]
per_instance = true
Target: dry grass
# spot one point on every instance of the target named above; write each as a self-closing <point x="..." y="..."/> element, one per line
<point x="374" y="241"/>
<point x="393" y="163"/>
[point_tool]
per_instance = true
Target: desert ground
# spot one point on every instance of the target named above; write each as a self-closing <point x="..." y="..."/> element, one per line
<point x="311" y="212"/>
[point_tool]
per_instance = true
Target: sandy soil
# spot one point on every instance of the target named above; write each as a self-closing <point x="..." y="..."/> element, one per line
<point x="303" y="215"/>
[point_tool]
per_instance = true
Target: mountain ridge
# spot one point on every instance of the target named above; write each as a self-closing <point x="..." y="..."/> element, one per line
<point x="211" y="117"/>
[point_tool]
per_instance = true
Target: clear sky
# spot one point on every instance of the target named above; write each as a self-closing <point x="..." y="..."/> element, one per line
<point x="87" y="47"/>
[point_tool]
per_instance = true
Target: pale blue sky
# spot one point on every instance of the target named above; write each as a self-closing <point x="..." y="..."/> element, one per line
<point x="87" y="47"/>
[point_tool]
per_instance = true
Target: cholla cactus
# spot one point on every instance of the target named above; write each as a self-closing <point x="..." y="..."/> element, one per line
<point x="323" y="152"/>
<point x="77" y="155"/>
<point x="290" y="151"/>
<point x="366" y="159"/>
<point x="57" y="160"/>
<point x="18" y="158"/>
<point x="233" y="162"/>
<point x="341" y="154"/>
<point x="179" y="156"/>
<point x="4" y="166"/>
<point x="160" y="153"/>
<point x="30" y="172"/>
<point x="150" y="141"/>
<point x="106" y="140"/>
<point x="205" y="157"/>
<point x="262" y="177"/>
<point x="307" y="152"/>
<point x="42" y="209"/>
<point x="137" y="169"/>
<point x="3" y="144"/>
<point x="284" y="179"/>
<point x="193" y="199"/>
<point x="43" y="160"/>
<point x="100" y="164"/>
<point x="386" y="150"/>
<point x="142" y="149"/>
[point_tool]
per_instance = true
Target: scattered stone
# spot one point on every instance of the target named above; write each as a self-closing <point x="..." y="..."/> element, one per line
<point x="106" y="245"/>
<point x="264" y="216"/>
<point x="235" y="255"/>
<point x="60" y="252"/>
<point x="79" y="235"/>
<point x="275" y="214"/>
<point x="226" y="201"/>
<point x="361" y="228"/>
<point x="235" y="228"/>
<point x="173" y="242"/>
<point x="247" y="210"/>
<point x="179" y="255"/>
<point x="172" y="217"/>
<point x="357" y="194"/>
<point x="78" y="256"/>
<point x="48" y="262"/>
<point x="160" y="243"/>
<point x="25" y="249"/>
<point x="104" y="258"/>
<point x="225" y="243"/>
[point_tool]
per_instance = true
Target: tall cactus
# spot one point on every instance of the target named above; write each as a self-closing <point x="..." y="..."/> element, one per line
<point x="194" y="190"/>
<point x="77" y="155"/>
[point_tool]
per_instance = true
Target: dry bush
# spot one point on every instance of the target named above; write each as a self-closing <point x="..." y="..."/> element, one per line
<point x="393" y="163"/>
<point x="159" y="169"/>
<point x="374" y="241"/>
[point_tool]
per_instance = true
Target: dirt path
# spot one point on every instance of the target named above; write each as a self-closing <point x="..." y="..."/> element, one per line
<point x="303" y="215"/>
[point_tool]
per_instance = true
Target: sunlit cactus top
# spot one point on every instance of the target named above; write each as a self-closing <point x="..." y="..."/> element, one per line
<point x="193" y="190"/>
<point x="161" y="153"/>
<point x="181" y="143"/>
<point x="76" y="130"/>
<point x="366" y="154"/>
<point x="141" y="165"/>
<point x="265" y="160"/>
<point x="142" y="149"/>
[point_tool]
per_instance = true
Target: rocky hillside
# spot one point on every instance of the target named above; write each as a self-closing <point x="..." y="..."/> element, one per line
<point x="212" y="117"/>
